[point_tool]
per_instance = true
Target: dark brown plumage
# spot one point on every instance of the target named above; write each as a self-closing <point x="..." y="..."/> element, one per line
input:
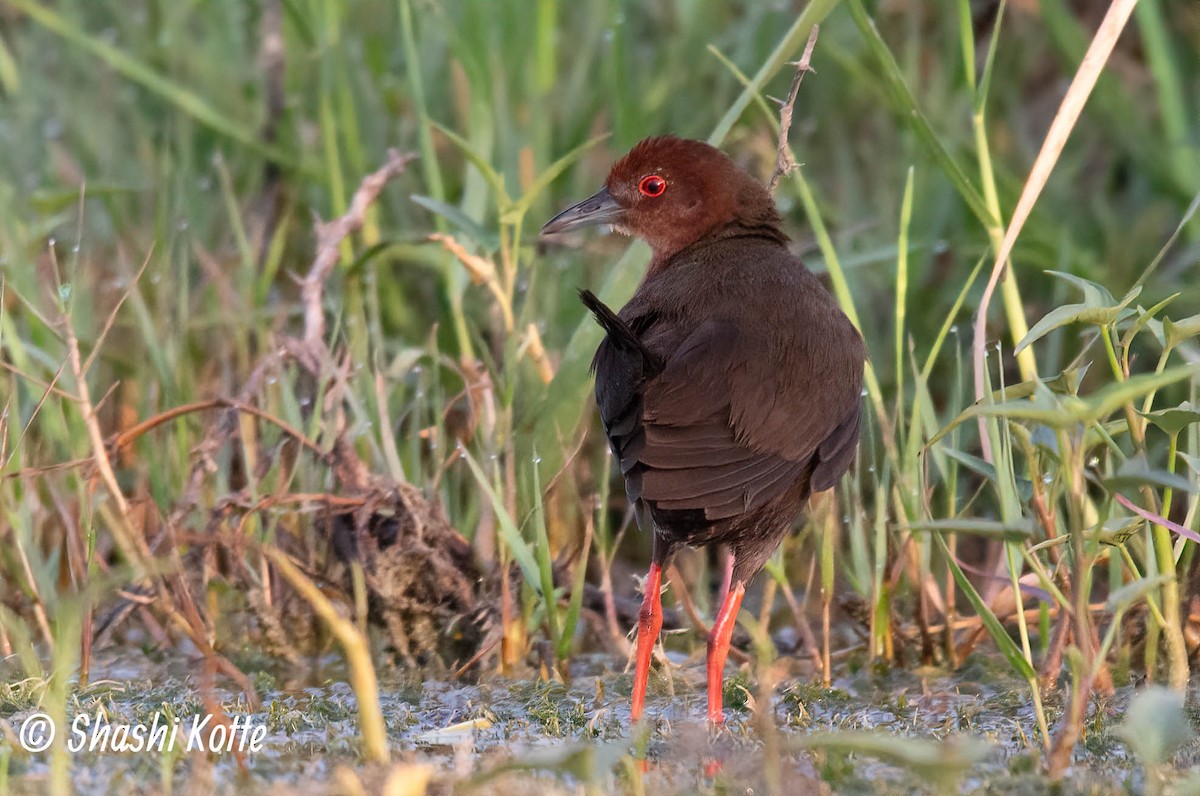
<point x="730" y="384"/>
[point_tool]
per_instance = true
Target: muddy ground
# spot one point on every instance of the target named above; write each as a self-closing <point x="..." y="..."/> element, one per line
<point x="875" y="731"/>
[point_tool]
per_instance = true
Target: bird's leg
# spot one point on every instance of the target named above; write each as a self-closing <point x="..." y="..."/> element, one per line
<point x="718" y="648"/>
<point x="649" y="624"/>
<point x="726" y="557"/>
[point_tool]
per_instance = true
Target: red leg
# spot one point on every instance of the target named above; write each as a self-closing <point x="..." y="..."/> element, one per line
<point x="718" y="648"/>
<point x="649" y="624"/>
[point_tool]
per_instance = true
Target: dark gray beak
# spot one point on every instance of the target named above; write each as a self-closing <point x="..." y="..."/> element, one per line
<point x="599" y="208"/>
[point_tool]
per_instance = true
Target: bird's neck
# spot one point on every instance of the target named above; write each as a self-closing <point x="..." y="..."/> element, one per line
<point x="663" y="258"/>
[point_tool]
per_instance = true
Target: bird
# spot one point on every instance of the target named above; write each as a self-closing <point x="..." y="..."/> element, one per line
<point x="729" y="386"/>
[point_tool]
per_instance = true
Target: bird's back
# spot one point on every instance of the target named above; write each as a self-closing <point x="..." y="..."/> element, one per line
<point x="741" y="395"/>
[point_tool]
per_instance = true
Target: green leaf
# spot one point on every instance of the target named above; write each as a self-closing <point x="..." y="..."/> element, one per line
<point x="1136" y="472"/>
<point x="1098" y="308"/>
<point x="488" y="241"/>
<point x="1056" y="412"/>
<point x="1156" y="725"/>
<point x="1094" y="294"/>
<point x="999" y="635"/>
<point x="991" y="529"/>
<point x="933" y="761"/>
<point x="1173" y="420"/>
<point x="1065" y="383"/>
<point x="490" y="175"/>
<point x="520" y="549"/>
<point x="1175" y="332"/>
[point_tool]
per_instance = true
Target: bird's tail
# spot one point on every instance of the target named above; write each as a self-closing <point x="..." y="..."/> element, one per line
<point x="619" y="333"/>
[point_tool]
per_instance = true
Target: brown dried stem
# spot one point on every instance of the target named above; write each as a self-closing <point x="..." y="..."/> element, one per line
<point x="329" y="240"/>
<point x="784" y="160"/>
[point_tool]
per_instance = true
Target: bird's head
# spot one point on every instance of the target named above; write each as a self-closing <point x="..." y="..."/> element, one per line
<point x="673" y="192"/>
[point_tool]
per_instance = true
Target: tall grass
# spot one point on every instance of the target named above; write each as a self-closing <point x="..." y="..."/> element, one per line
<point x="200" y="139"/>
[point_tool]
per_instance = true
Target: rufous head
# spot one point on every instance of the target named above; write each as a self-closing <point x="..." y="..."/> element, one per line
<point x="673" y="192"/>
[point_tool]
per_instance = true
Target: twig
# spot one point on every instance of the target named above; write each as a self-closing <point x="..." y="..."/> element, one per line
<point x="132" y="544"/>
<point x="124" y="438"/>
<point x="784" y="161"/>
<point x="329" y="240"/>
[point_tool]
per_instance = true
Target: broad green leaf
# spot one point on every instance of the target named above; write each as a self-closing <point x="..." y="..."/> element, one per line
<point x="1098" y="308"/>
<point x="1065" y="383"/>
<point x="1175" y="332"/>
<point x="1094" y="294"/>
<point x="1056" y="412"/>
<point x="1116" y="395"/>
<point x="1135" y="472"/>
<point x="1173" y="420"/>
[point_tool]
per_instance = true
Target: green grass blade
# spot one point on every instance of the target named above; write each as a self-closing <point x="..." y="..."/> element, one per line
<point x="905" y="104"/>
<point x="509" y="532"/>
<point x="1012" y="653"/>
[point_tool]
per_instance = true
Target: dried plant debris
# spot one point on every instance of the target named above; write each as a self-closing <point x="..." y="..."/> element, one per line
<point x="422" y="582"/>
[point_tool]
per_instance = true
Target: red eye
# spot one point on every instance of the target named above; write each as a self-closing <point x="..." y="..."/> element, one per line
<point x="652" y="185"/>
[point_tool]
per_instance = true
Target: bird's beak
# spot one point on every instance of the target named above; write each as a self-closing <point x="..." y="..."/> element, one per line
<point x="599" y="208"/>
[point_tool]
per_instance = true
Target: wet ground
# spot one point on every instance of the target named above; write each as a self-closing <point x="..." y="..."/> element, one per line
<point x="875" y="731"/>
